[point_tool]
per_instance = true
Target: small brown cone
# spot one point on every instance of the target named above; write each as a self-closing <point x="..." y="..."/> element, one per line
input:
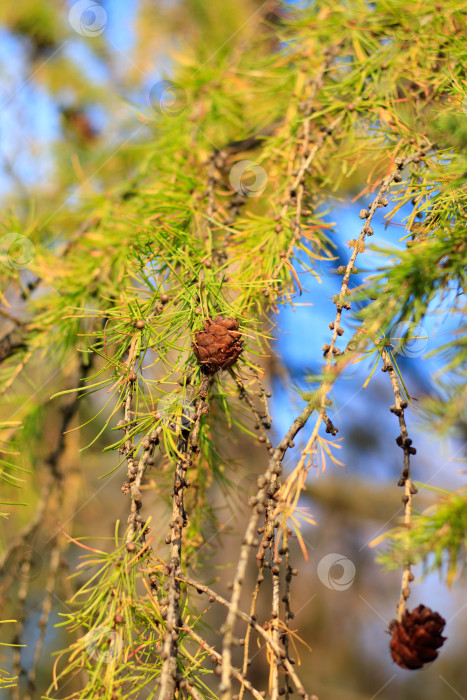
<point x="218" y="345"/>
<point x="416" y="639"/>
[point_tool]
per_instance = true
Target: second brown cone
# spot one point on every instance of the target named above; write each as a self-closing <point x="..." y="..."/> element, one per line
<point x="416" y="638"/>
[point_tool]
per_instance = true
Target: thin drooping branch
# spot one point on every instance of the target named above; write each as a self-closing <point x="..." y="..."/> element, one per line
<point x="333" y="369"/>
<point x="136" y="467"/>
<point x="276" y="648"/>
<point x="405" y="443"/>
<point x="168" y="678"/>
<point x="259" y="507"/>
<point x="263" y="420"/>
<point x="218" y="658"/>
<point x="233" y="609"/>
<point x="286" y="597"/>
<point x="254" y="600"/>
<point x="359" y="246"/>
<point x="297" y="188"/>
<point x="135" y="473"/>
<point x="275" y="571"/>
<point x="300" y="163"/>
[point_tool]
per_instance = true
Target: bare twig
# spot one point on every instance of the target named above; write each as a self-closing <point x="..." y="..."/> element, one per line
<point x="136" y="470"/>
<point x="263" y="420"/>
<point x="168" y="678"/>
<point x="275" y="571"/>
<point x="236" y="674"/>
<point x="333" y="370"/>
<point x="251" y="621"/>
<point x="405" y="443"/>
<point x="254" y="599"/>
<point x="286" y="598"/>
<point x="173" y="620"/>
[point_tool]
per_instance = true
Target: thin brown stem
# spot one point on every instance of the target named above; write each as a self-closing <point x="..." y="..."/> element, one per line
<point x="406" y="481"/>
<point x="263" y="420"/>
<point x="135" y="475"/>
<point x="333" y="370"/>
<point x="168" y="678"/>
<point x="173" y="570"/>
<point x="251" y="621"/>
<point x="240" y="677"/>
<point x="275" y="571"/>
<point x="254" y="599"/>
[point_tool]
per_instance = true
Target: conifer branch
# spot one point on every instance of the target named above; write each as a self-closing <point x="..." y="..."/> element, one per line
<point x="274" y="468"/>
<point x="240" y="677"/>
<point x="253" y="623"/>
<point x="405" y="443"/>
<point x="254" y="600"/>
<point x="288" y="612"/>
<point x="330" y="350"/>
<point x="168" y="678"/>
<point x="263" y="420"/>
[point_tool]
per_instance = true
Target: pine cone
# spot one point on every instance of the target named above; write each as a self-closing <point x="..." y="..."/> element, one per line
<point x="416" y="638"/>
<point x="218" y="345"/>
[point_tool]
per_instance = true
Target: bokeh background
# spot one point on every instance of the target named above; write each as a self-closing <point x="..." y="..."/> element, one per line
<point x="74" y="97"/>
